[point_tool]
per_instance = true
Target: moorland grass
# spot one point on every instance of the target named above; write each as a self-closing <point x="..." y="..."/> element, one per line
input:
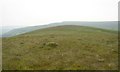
<point x="62" y="48"/>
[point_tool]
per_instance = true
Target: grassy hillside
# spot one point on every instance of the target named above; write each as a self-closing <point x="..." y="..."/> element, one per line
<point x="110" y="25"/>
<point x="62" y="48"/>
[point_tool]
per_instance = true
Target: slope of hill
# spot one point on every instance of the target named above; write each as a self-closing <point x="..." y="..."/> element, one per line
<point x="6" y="29"/>
<point x="110" y="25"/>
<point x="66" y="47"/>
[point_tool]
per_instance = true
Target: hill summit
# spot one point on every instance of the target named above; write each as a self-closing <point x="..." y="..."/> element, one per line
<point x="65" y="47"/>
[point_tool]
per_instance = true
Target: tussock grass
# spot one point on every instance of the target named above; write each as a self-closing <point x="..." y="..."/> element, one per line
<point x="62" y="48"/>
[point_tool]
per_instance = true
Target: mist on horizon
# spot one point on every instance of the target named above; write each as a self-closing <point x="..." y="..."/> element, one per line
<point x="39" y="12"/>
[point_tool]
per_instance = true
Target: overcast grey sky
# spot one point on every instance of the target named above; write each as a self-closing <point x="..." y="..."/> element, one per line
<point x="38" y="12"/>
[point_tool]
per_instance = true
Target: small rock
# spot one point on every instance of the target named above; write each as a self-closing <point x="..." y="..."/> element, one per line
<point x="113" y="50"/>
<point x="109" y="65"/>
<point x="101" y="60"/>
<point x="52" y="44"/>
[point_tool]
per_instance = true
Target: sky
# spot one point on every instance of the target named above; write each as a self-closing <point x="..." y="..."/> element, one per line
<point x="40" y="12"/>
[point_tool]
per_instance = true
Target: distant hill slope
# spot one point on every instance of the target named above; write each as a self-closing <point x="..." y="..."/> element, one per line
<point x="113" y="25"/>
<point x="65" y="47"/>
